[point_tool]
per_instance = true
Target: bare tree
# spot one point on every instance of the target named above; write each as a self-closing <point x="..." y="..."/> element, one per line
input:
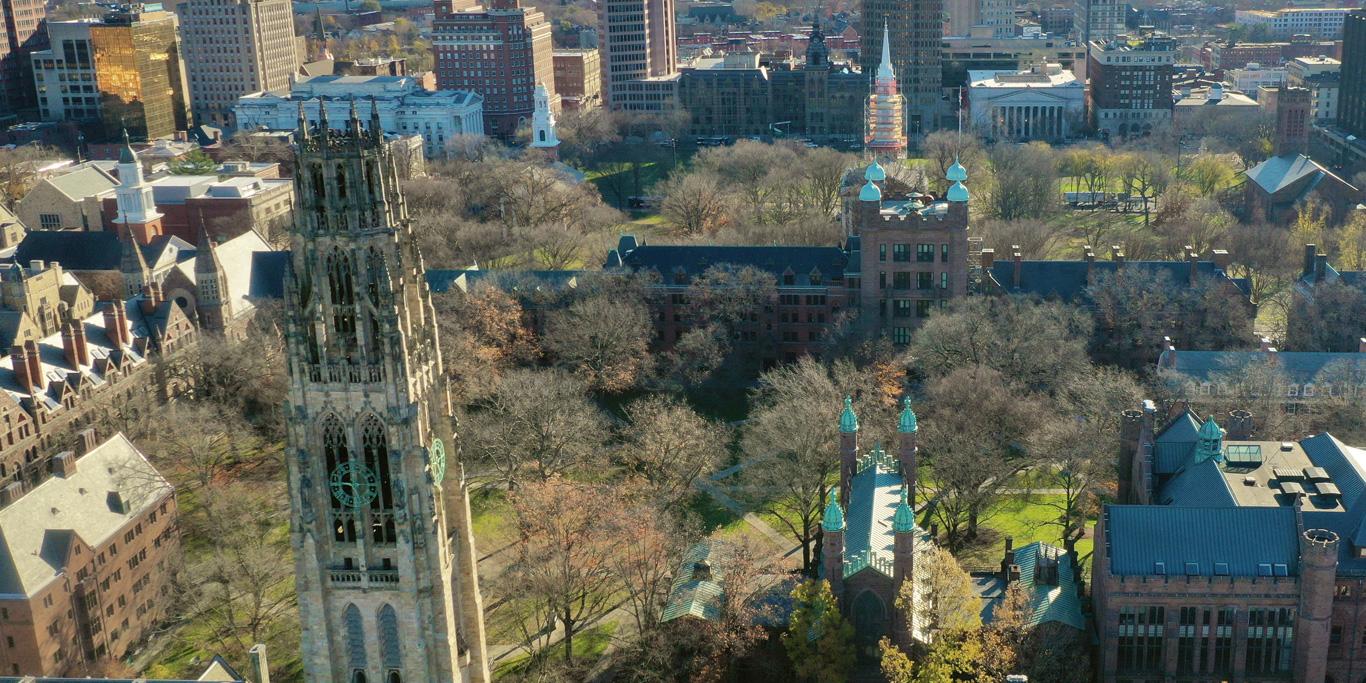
<point x="1024" y="181"/>
<point x="602" y="339"/>
<point x="695" y="203"/>
<point x="667" y="446"/>
<point x="19" y="171"/>
<point x="540" y="420"/>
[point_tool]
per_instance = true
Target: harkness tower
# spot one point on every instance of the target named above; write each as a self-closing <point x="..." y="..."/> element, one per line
<point x="386" y="593"/>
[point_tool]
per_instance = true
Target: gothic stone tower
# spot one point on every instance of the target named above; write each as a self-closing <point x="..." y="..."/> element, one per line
<point x="386" y="593"/>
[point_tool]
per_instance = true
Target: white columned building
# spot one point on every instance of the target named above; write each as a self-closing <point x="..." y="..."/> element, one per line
<point x="1041" y="103"/>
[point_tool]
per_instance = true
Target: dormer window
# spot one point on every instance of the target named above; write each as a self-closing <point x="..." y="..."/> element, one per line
<point x="789" y="278"/>
<point x="815" y="277"/>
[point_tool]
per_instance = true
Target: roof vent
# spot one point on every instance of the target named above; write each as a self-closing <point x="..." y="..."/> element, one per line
<point x="55" y="511"/>
<point x="1316" y="474"/>
<point x="1287" y="446"/>
<point x="1250" y="480"/>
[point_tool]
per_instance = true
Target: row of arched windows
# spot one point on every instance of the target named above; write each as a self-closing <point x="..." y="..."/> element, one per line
<point x="342" y="302"/>
<point x="390" y="651"/>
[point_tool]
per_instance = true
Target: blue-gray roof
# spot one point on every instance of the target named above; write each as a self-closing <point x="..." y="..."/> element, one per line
<point x="1172" y="447"/>
<point x="693" y="260"/>
<point x="74" y="249"/>
<point x="1300" y="366"/>
<point x="1067" y="281"/>
<point x="268" y="274"/>
<point x="1156" y="540"/>
<point x="693" y="597"/>
<point x="1048" y="602"/>
<point x="1200" y="485"/>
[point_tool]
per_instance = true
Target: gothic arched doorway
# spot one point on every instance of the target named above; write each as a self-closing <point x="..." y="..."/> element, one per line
<point x="870" y="622"/>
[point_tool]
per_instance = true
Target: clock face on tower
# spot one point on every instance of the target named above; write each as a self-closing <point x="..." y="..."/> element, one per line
<point x="354" y="485"/>
<point x="436" y="461"/>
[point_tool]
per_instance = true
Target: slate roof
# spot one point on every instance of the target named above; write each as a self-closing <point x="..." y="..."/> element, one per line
<point x="74" y="249"/>
<point x="873" y="497"/>
<point x="1048" y="602"/>
<point x="695" y="259"/>
<point x="239" y="257"/>
<point x="268" y="274"/>
<point x="1141" y="537"/>
<point x="1283" y="172"/>
<point x="1066" y="280"/>
<point x="1173" y="445"/>
<point x="1301" y="366"/>
<point x="33" y="530"/>
<point x="1200" y="485"/>
<point x="700" y="599"/>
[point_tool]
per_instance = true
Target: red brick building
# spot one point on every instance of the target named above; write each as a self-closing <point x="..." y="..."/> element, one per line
<point x="89" y="556"/>
<point x="500" y="52"/>
<point x="578" y="79"/>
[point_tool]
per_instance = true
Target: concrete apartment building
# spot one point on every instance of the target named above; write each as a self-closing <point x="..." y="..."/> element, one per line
<point x="121" y="72"/>
<point x="1131" y="84"/>
<point x="90" y="554"/>
<point x="1318" y="22"/>
<point x="1236" y="556"/>
<point x="502" y="52"/>
<point x="578" y="78"/>
<point x="19" y="21"/>
<point x="1319" y="75"/>
<point x="232" y="48"/>
<point x="1100" y="20"/>
<point x="638" y="43"/>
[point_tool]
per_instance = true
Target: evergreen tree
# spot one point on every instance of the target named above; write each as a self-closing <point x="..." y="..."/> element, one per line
<point x="819" y="641"/>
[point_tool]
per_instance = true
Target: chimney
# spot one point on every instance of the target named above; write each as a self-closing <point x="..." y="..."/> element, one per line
<point x="1221" y="259"/>
<point x="1310" y="251"/>
<point x="116" y="324"/>
<point x="260" y="664"/>
<point x="82" y="347"/>
<point x="69" y="346"/>
<point x="1015" y="256"/>
<point x="988" y="258"/>
<point x="35" y="266"/>
<point x="1090" y="256"/>
<point x="1013" y="575"/>
<point x="1008" y="560"/>
<point x="35" y="364"/>
<point x="1361" y="345"/>
<point x="1193" y="258"/>
<point x="151" y="298"/>
<point x="701" y="571"/>
<point x="18" y="358"/>
<point x="1166" y="357"/>
<point x="1117" y="254"/>
<point x="1320" y="267"/>
<point x="88" y="439"/>
<point x="64" y="464"/>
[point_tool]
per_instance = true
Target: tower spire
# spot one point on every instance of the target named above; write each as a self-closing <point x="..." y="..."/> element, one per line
<point x="884" y="70"/>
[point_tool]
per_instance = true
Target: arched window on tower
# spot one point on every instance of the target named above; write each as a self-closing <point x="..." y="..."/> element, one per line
<point x="390" y="652"/>
<point x="342" y="289"/>
<point x="355" y="642"/>
<point x="375" y="448"/>
<point x="341" y="181"/>
<point x="337" y="455"/>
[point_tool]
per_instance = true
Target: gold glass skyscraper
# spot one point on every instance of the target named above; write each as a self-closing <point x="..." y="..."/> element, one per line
<point x="138" y="73"/>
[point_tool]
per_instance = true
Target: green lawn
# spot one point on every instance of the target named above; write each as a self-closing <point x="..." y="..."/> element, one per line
<point x="588" y="646"/>
<point x="1026" y="519"/>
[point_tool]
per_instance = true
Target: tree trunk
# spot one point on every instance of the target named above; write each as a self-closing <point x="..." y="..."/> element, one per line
<point x="568" y="637"/>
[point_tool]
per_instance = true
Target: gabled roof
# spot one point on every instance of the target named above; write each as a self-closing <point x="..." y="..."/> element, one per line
<point x="239" y="258"/>
<point x="1066" y="280"/>
<point x="1049" y="602"/>
<point x="1287" y="170"/>
<point x="32" y="528"/>
<point x="1198" y="485"/>
<point x="1300" y="366"/>
<point x="1174" y="444"/>
<point x="694" y="597"/>
<point x="693" y="260"/>
<point x="1158" y="540"/>
<point x="74" y="249"/>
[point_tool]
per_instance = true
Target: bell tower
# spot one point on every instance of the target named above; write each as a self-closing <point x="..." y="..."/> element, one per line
<point x="387" y="593"/>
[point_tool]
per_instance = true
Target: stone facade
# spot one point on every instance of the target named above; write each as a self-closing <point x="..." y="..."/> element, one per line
<point x="386" y="591"/>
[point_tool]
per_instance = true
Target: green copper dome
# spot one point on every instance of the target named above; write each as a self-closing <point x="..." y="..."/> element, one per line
<point x="904" y="519"/>
<point x="833" y="519"/>
<point x="1211" y="442"/>
<point x="907" y="424"/>
<point x="956" y="172"/>
<point x="870" y="193"/>
<point x="957" y="193"/>
<point x="848" y="420"/>
<point x="875" y="173"/>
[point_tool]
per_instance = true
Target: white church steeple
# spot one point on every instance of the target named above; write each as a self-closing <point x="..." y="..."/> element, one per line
<point x="543" y="122"/>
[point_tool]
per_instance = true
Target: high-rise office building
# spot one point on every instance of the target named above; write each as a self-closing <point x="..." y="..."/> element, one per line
<point x="501" y="52"/>
<point x="1131" y="84"/>
<point x="637" y="41"/>
<point x="232" y="48"/>
<point x="20" y="20"/>
<point x="916" y="31"/>
<point x="1352" y="86"/>
<point x="123" y="72"/>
